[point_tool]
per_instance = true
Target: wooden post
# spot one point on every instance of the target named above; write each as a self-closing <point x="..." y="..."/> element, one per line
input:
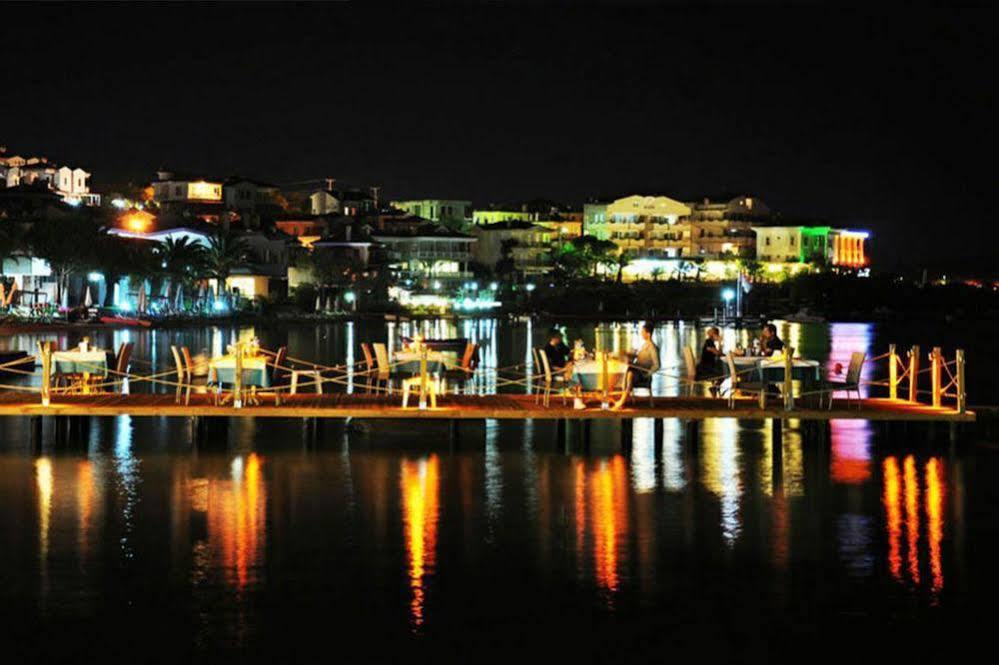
<point x="935" y="358"/>
<point x="423" y="376"/>
<point x="45" y="349"/>
<point x="892" y="373"/>
<point x="914" y="374"/>
<point x="962" y="397"/>
<point x="603" y="370"/>
<point x="788" y="375"/>
<point x="237" y="398"/>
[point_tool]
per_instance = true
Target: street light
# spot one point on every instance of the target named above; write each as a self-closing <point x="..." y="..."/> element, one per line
<point x="727" y="296"/>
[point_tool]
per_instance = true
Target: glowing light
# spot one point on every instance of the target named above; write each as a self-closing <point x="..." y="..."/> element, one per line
<point x="95" y="276"/>
<point x="935" y="489"/>
<point x="529" y="287"/>
<point x="911" y="489"/>
<point x="437" y="285"/>
<point x="493" y="286"/>
<point x="728" y="295"/>
<point x="218" y="305"/>
<point x="349" y="296"/>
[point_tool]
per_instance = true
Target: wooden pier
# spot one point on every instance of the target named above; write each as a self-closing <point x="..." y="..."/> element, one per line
<point x="467" y="407"/>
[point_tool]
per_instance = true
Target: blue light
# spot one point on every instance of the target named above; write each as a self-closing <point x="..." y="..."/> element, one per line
<point x="218" y="305"/>
<point x="529" y="287"/>
<point x="349" y="296"/>
<point x="728" y="294"/>
<point x="95" y="276"/>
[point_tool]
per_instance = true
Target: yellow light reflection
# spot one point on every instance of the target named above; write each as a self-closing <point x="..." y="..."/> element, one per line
<point x="935" y="492"/>
<point x="420" y="485"/>
<point x="911" y="490"/>
<point x="43" y="480"/>
<point x="893" y="514"/>
<point x="84" y="501"/>
<point x="236" y="511"/>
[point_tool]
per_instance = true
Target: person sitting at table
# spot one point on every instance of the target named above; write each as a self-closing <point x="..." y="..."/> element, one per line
<point x="770" y="343"/>
<point x="559" y="356"/>
<point x="643" y="362"/>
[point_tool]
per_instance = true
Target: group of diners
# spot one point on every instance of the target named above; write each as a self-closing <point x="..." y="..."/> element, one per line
<point x="710" y="365"/>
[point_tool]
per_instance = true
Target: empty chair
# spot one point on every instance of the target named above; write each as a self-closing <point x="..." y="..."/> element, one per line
<point x="369" y="366"/>
<point x="849" y="384"/>
<point x="415" y="383"/>
<point x="121" y="364"/>
<point x="383" y="367"/>
<point x="464" y="371"/>
<point x="279" y="368"/>
<point x="193" y="379"/>
<point x="689" y="371"/>
<point x="744" y="384"/>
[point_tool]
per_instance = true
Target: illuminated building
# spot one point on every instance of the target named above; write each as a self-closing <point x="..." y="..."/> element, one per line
<point x="491" y="216"/>
<point x="251" y="200"/>
<point x="722" y="226"/>
<point x="348" y="202"/>
<point x="653" y="227"/>
<point x="452" y="213"/>
<point x="811" y="244"/>
<point x="527" y="244"/>
<point x="170" y="187"/>
<point x="428" y="252"/>
<point x="305" y="230"/>
<point x="70" y="184"/>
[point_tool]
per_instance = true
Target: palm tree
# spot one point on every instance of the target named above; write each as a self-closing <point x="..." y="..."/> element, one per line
<point x="225" y="251"/>
<point x="180" y="260"/>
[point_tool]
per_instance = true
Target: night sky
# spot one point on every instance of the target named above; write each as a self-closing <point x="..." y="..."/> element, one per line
<point x="884" y="121"/>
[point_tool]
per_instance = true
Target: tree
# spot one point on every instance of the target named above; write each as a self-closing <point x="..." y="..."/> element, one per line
<point x="506" y="265"/>
<point x="225" y="251"/>
<point x="67" y="244"/>
<point x="11" y="241"/>
<point x="582" y="256"/>
<point x="181" y="261"/>
<point x="623" y="259"/>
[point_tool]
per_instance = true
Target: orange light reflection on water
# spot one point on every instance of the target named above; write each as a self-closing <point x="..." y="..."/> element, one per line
<point x="911" y="489"/>
<point x="236" y="511"/>
<point x="893" y="514"/>
<point x="935" y="491"/>
<point x="420" y="485"/>
<point x="601" y="503"/>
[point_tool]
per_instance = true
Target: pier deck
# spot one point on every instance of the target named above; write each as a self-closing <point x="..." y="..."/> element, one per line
<point x="462" y="407"/>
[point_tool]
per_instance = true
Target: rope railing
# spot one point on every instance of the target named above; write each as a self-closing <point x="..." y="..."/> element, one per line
<point x="375" y="376"/>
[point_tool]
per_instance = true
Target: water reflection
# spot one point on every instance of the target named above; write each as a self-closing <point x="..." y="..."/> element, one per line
<point x="903" y="514"/>
<point x="601" y="511"/>
<point x="420" y="486"/>
<point x="849" y="442"/>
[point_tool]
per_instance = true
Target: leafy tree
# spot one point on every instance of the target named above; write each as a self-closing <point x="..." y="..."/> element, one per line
<point x="506" y="265"/>
<point x="67" y="244"/>
<point x="181" y="260"/>
<point x="582" y="256"/>
<point x="225" y="251"/>
<point x="11" y="241"/>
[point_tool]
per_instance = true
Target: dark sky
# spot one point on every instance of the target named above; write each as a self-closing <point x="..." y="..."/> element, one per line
<point x="882" y="120"/>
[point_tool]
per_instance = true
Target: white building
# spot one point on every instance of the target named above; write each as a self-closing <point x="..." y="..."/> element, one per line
<point x="69" y="183"/>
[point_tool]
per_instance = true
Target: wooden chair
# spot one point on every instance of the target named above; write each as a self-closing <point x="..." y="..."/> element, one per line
<point x="369" y="366"/>
<point x="550" y="381"/>
<point x="689" y="371"/>
<point x="383" y="367"/>
<point x="121" y="364"/>
<point x="465" y="371"/>
<point x="851" y="383"/>
<point x="738" y="383"/>
<point x="434" y="386"/>
<point x="194" y="380"/>
<point x="533" y="378"/>
<point x="279" y="368"/>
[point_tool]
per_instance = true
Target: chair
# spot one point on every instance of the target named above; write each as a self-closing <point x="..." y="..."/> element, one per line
<point x="279" y="370"/>
<point x="689" y="370"/>
<point x="550" y="379"/>
<point x="465" y="371"/>
<point x="194" y="379"/>
<point x="737" y="382"/>
<point x="369" y="365"/>
<point x="434" y="386"/>
<point x="384" y="367"/>
<point x="850" y="384"/>
<point x="121" y="364"/>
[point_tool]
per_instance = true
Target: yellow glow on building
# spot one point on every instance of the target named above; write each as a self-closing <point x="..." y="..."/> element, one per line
<point x="249" y="286"/>
<point x="204" y="191"/>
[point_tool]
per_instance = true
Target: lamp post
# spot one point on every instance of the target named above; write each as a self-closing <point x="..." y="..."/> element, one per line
<point x="727" y="296"/>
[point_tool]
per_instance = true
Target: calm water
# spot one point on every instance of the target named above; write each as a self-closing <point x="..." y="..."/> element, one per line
<point x="382" y="542"/>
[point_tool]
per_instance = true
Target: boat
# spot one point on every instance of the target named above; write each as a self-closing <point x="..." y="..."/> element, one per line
<point x="803" y="315"/>
<point x="126" y="321"/>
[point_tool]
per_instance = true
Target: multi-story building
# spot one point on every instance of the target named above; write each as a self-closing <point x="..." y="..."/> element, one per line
<point x="348" y="202"/>
<point x="526" y="244"/>
<point x="70" y="184"/>
<point x="505" y="214"/>
<point x="429" y="252"/>
<point x="651" y="227"/>
<point x="452" y="213"/>
<point x="250" y="197"/>
<point x="721" y="227"/>
<point x="811" y="244"/>
<point x="182" y="188"/>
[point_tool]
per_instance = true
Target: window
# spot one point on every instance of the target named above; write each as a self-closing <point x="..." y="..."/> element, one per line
<point x="768" y="241"/>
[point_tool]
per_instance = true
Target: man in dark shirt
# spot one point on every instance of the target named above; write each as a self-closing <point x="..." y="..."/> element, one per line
<point x="770" y="343"/>
<point x="557" y="352"/>
<point x="709" y="366"/>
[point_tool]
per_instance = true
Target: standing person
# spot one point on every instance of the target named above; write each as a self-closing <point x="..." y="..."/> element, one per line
<point x="770" y="343"/>
<point x="644" y="363"/>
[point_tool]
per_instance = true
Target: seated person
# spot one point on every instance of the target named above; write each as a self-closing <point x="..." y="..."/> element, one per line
<point x="709" y="366"/>
<point x="770" y="343"/>
<point x="557" y="352"/>
<point x="645" y="363"/>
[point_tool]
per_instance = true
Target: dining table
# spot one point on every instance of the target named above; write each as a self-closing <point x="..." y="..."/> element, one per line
<point x="222" y="371"/>
<point x="84" y="364"/>
<point x="771" y="371"/>
<point x="589" y="374"/>
<point x="408" y="362"/>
